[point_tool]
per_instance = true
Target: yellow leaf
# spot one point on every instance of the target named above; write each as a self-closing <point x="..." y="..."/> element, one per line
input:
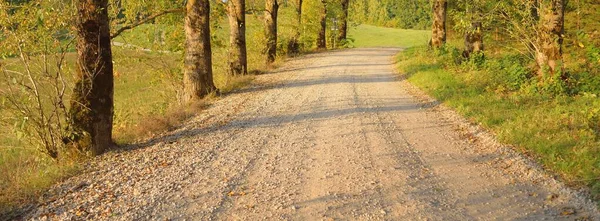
<point x="581" y="45"/>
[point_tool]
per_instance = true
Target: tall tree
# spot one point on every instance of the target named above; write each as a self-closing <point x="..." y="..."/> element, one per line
<point x="550" y="37"/>
<point x="271" y="10"/>
<point x="238" y="64"/>
<point x="438" y="35"/>
<point x="474" y="20"/>
<point x="321" y="37"/>
<point x="294" y="44"/>
<point x="92" y="100"/>
<point x="474" y="39"/>
<point x="198" y="76"/>
<point x="533" y="9"/>
<point x="344" y="21"/>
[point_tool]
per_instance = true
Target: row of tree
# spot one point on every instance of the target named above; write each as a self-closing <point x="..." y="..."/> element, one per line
<point x="537" y="24"/>
<point x="90" y="113"/>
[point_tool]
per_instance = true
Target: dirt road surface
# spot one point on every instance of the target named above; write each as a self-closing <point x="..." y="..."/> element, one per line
<point x="328" y="136"/>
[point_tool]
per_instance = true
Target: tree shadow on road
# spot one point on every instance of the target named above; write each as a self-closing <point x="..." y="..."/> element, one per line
<point x="272" y="121"/>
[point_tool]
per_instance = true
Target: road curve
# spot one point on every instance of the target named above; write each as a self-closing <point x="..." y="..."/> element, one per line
<point x="328" y="136"/>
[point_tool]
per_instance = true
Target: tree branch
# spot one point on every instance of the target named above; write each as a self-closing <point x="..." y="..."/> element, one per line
<point x="254" y="11"/>
<point x="145" y="20"/>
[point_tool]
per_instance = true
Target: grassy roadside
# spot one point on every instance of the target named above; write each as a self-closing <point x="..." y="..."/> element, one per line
<point x="561" y="131"/>
<point x="372" y="36"/>
<point x="147" y="89"/>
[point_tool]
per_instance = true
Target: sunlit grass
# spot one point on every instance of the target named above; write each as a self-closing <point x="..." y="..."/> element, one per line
<point x="372" y="36"/>
<point x="561" y="132"/>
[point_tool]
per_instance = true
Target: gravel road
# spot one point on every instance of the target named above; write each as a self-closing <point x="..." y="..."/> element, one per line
<point x="328" y="136"/>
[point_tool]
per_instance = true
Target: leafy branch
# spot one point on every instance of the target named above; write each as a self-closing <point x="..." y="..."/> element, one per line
<point x="145" y="20"/>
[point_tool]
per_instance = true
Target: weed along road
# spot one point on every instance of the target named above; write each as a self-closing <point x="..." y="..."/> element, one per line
<point x="327" y="136"/>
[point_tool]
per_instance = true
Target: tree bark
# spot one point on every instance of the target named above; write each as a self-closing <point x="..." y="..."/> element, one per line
<point x="198" y="76"/>
<point x="238" y="64"/>
<point x="271" y="10"/>
<point x="473" y="40"/>
<point x="533" y="10"/>
<point x="550" y="39"/>
<point x="535" y="19"/>
<point x="91" y="111"/>
<point x="294" y="44"/>
<point x="344" y="22"/>
<point x="299" y="15"/>
<point x="438" y="35"/>
<point x="321" y="38"/>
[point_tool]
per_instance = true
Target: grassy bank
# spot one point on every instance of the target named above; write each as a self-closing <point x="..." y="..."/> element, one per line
<point x="372" y="36"/>
<point x="557" y="124"/>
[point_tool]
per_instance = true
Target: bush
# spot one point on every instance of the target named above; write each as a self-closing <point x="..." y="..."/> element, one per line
<point x="511" y="71"/>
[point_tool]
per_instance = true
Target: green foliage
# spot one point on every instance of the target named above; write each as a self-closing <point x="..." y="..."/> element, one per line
<point x="32" y="84"/>
<point x="35" y="73"/>
<point x="406" y="14"/>
<point x="124" y="12"/>
<point x="512" y="73"/>
<point x="34" y="27"/>
<point x="464" y="12"/>
<point x="311" y="10"/>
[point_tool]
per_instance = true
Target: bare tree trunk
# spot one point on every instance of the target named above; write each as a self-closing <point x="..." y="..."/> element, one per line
<point x="535" y="15"/>
<point x="321" y="38"/>
<point x="473" y="40"/>
<point x="344" y="21"/>
<point x="91" y="110"/>
<point x="299" y="13"/>
<point x="198" y="78"/>
<point x="271" y="10"/>
<point x="238" y="64"/>
<point x="438" y="35"/>
<point x="550" y="39"/>
<point x="535" y="19"/>
<point x="294" y="44"/>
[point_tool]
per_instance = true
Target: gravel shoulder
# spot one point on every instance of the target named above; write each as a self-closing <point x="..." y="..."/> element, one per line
<point x="329" y="136"/>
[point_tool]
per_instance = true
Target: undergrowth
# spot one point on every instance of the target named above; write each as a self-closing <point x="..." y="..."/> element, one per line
<point x="555" y="122"/>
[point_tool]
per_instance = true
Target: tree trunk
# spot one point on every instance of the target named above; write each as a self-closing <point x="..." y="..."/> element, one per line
<point x="294" y="44"/>
<point x="299" y="14"/>
<point x="473" y="40"/>
<point x="535" y="19"/>
<point x="198" y="78"/>
<point x="533" y="11"/>
<point x="271" y="10"/>
<point x="238" y="64"/>
<point x="91" y="110"/>
<point x="344" y="22"/>
<point x="438" y="35"/>
<point x="321" y="38"/>
<point x="550" y="39"/>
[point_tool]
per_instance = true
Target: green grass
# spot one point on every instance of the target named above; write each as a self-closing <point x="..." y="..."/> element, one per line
<point x="562" y="132"/>
<point x="372" y="36"/>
